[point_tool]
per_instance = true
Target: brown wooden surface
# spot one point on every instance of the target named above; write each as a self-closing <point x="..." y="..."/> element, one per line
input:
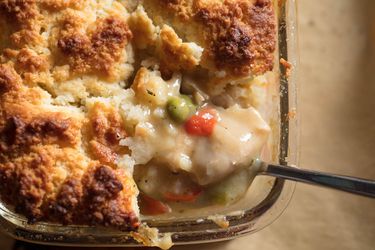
<point x="337" y="109"/>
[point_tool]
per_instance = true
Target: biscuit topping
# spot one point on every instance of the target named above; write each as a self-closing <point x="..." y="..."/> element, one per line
<point x="101" y="100"/>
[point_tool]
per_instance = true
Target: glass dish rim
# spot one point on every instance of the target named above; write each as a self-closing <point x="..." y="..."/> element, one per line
<point x="191" y="231"/>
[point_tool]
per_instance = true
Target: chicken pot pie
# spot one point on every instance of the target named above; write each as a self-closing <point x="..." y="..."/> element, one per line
<point x="109" y="109"/>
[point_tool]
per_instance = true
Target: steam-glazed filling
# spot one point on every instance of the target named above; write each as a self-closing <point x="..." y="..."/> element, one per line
<point x="184" y="145"/>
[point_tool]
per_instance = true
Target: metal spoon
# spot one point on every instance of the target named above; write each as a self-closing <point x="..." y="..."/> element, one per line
<point x="340" y="182"/>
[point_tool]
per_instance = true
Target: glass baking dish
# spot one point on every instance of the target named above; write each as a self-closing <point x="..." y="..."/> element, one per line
<point x="264" y="202"/>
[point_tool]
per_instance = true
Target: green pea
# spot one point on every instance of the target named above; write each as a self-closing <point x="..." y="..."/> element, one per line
<point x="180" y="108"/>
<point x="189" y="101"/>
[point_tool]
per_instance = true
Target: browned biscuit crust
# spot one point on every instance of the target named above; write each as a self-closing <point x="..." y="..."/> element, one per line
<point x="44" y="174"/>
<point x="106" y="130"/>
<point x="238" y="35"/>
<point x="57" y="163"/>
<point x="97" y="51"/>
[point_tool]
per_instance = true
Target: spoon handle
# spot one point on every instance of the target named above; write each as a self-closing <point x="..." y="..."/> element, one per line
<point x="344" y="183"/>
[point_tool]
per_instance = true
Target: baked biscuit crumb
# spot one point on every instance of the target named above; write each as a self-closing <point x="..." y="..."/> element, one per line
<point x="107" y="129"/>
<point x="9" y="79"/>
<point x="176" y="55"/>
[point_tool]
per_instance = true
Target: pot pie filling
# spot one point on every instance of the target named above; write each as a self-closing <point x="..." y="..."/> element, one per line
<point x="110" y="107"/>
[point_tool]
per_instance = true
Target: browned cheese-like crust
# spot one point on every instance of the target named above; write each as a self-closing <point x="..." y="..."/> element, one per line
<point x="238" y="35"/>
<point x="57" y="163"/>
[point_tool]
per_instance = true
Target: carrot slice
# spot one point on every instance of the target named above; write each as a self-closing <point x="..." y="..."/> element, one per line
<point x="150" y="206"/>
<point x="202" y="123"/>
<point x="186" y="197"/>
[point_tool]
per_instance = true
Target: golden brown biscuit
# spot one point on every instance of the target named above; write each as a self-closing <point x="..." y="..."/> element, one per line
<point x="58" y="162"/>
<point x="238" y="35"/>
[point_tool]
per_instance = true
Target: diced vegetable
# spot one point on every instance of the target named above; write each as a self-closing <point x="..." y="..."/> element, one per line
<point x="230" y="189"/>
<point x="190" y="196"/>
<point x="159" y="183"/>
<point x="180" y="108"/>
<point x="189" y="103"/>
<point x="202" y="123"/>
<point x="150" y="206"/>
